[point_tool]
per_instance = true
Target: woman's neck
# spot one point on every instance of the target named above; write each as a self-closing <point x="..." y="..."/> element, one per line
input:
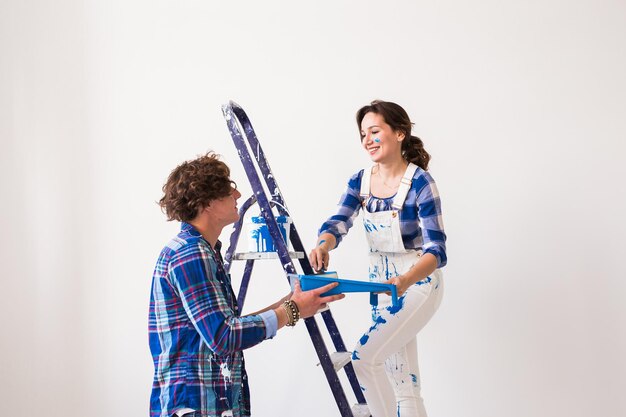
<point x="392" y="169"/>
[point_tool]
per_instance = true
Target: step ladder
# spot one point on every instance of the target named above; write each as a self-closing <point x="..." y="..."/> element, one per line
<point x="254" y="162"/>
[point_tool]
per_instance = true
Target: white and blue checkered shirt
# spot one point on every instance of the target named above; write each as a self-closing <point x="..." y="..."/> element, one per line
<point x="421" y="223"/>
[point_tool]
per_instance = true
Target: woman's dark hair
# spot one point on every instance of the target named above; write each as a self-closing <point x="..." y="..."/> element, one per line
<point x="398" y="119"/>
<point x="193" y="185"/>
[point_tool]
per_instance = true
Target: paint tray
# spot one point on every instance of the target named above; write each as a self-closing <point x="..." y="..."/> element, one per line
<point x="310" y="282"/>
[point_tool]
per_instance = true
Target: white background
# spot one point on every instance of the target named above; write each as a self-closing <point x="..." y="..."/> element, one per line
<point x="521" y="104"/>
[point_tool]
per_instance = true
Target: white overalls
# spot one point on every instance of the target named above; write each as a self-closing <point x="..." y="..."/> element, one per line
<point x="389" y="346"/>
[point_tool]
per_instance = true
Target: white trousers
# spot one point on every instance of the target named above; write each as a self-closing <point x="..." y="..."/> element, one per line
<point x="390" y="347"/>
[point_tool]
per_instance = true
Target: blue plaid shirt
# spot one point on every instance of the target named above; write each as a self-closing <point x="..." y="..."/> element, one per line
<point x="421" y="223"/>
<point x="196" y="334"/>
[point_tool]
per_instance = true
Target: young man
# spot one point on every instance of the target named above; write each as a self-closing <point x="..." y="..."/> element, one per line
<point x="196" y="332"/>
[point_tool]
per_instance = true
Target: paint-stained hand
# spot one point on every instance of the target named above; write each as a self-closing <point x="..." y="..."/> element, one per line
<point x="319" y="258"/>
<point x="309" y="302"/>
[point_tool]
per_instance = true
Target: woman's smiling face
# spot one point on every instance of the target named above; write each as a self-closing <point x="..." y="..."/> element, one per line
<point x="378" y="138"/>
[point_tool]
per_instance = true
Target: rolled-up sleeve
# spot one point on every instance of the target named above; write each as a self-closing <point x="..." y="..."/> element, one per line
<point x="271" y="323"/>
<point x="431" y="220"/>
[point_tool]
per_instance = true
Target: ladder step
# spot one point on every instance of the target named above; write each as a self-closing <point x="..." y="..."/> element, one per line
<point x="360" y="410"/>
<point x="244" y="256"/>
<point x="340" y="359"/>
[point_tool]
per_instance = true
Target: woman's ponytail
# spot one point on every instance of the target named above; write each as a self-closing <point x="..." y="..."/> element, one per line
<point x="413" y="151"/>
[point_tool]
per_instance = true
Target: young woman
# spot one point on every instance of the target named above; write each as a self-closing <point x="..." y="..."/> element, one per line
<point x="404" y="229"/>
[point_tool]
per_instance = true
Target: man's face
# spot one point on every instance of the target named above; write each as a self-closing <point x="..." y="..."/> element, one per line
<point x="224" y="210"/>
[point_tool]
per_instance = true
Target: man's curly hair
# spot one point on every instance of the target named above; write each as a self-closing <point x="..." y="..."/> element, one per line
<point x="193" y="185"/>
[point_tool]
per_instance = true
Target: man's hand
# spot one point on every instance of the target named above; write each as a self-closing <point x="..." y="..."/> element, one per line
<point x="309" y="302"/>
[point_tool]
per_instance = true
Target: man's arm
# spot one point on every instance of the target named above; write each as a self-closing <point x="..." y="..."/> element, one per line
<point x="194" y="273"/>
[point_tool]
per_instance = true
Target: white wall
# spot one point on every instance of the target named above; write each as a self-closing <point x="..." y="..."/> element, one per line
<point x="522" y="105"/>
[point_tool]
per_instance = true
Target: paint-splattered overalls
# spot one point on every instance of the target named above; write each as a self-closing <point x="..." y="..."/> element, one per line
<point x="385" y="359"/>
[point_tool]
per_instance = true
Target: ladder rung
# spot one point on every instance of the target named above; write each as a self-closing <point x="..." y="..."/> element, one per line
<point x="243" y="256"/>
<point x="340" y="359"/>
<point x="360" y="410"/>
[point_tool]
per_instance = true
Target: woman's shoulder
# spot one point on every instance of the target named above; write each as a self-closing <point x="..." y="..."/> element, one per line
<point x="355" y="180"/>
<point x="421" y="178"/>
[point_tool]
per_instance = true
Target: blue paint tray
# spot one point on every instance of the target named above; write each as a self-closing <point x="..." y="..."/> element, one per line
<point x="310" y="282"/>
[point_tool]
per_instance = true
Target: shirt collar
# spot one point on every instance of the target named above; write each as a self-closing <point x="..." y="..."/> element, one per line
<point x="186" y="227"/>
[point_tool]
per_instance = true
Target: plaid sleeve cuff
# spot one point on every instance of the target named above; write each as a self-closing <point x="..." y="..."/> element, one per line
<point x="271" y="323"/>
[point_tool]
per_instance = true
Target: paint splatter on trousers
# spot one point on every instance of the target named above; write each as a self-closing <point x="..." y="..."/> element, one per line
<point x="390" y="347"/>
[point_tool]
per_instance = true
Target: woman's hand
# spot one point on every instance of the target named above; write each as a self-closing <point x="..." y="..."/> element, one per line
<point x="401" y="282"/>
<point x="422" y="269"/>
<point x="319" y="258"/>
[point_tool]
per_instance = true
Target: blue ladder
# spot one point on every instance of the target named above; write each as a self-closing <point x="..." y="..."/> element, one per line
<point x="245" y="140"/>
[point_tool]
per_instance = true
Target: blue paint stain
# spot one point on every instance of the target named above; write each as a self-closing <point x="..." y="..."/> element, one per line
<point x="414" y="379"/>
<point x="370" y="227"/>
<point x="379" y="320"/>
<point x="396" y="270"/>
<point x="364" y="339"/>
<point x="387" y="275"/>
<point x="424" y="281"/>
<point x="362" y="388"/>
<point x="355" y="356"/>
<point x="394" y="309"/>
<point x="377" y="140"/>
<point x="374" y="273"/>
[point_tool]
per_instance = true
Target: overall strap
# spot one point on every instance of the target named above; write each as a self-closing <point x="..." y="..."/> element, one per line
<point x="365" y="183"/>
<point x="405" y="186"/>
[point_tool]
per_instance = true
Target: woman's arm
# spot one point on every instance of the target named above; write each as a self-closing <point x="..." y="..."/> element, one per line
<point x="434" y="237"/>
<point x="337" y="226"/>
<point x="425" y="266"/>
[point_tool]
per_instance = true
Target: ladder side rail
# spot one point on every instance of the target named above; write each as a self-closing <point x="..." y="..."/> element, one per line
<point x="272" y="184"/>
<point x="259" y="192"/>
<point x="243" y="288"/>
<point x="259" y="155"/>
<point x="284" y="257"/>
<point x="270" y="180"/>
<point x="327" y="366"/>
<point x="340" y="346"/>
<point x="327" y="316"/>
